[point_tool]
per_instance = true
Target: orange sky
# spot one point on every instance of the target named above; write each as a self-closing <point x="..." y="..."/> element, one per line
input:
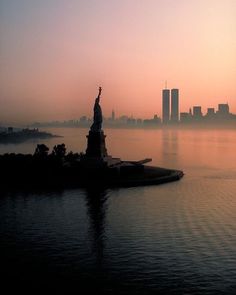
<point x="54" y="54"/>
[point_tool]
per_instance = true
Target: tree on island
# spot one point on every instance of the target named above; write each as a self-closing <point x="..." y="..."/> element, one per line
<point x="59" y="150"/>
<point x="41" y="150"/>
<point x="58" y="156"/>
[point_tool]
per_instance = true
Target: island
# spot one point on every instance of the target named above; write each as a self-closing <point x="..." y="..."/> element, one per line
<point x="94" y="168"/>
<point x="10" y="135"/>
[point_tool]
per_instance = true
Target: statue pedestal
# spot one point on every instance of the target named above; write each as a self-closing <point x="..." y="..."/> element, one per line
<point x="96" y="147"/>
<point x="96" y="154"/>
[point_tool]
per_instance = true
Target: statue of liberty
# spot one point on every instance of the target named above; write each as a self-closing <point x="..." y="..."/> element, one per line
<point x="97" y="114"/>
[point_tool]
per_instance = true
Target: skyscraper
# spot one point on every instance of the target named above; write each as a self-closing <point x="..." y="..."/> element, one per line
<point x="165" y="106"/>
<point x="174" y="105"/>
<point x="197" y="112"/>
<point x="113" y="115"/>
<point x="223" y="109"/>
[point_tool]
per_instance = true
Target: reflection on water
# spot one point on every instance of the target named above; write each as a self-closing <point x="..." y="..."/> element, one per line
<point x="96" y="208"/>
<point x="170" y="146"/>
<point x="178" y="238"/>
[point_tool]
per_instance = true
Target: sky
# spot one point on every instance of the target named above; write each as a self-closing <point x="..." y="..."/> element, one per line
<point x="55" y="53"/>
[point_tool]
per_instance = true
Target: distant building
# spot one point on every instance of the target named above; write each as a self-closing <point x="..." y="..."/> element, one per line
<point x="155" y="117"/>
<point x="113" y="115"/>
<point x="10" y="129"/>
<point x="197" y="112"/>
<point x="155" y="121"/>
<point x="174" y="105"/>
<point x="139" y="121"/>
<point x="131" y="121"/>
<point x="210" y="113"/>
<point x="165" y="106"/>
<point x="124" y="118"/>
<point x="83" y="119"/>
<point x="223" y="110"/>
<point x="185" y="117"/>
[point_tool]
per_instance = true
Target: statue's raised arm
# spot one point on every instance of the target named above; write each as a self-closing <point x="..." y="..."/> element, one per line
<point x="99" y="91"/>
<point x="97" y="116"/>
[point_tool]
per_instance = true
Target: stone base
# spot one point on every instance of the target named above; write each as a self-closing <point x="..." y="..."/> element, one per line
<point x="96" y="156"/>
<point x="96" y="147"/>
<point x="99" y="163"/>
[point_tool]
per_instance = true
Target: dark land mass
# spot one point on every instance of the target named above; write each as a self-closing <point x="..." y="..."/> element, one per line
<point x="11" y="136"/>
<point x="60" y="170"/>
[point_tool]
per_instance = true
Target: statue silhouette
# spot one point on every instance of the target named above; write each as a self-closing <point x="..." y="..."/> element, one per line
<point x="97" y="116"/>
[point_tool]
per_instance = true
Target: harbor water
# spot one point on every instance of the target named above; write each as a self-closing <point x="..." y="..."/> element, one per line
<point x="176" y="238"/>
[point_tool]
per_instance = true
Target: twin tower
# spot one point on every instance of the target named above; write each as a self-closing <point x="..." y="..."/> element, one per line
<point x="170" y="112"/>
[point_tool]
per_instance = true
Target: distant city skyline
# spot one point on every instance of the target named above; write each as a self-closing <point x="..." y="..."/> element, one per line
<point x="213" y="116"/>
<point x="54" y="55"/>
<point x="170" y="110"/>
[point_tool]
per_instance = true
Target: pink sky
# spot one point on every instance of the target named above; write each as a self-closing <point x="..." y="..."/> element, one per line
<point x="54" y="54"/>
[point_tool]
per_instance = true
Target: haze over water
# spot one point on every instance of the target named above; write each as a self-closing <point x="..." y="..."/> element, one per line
<point x="177" y="238"/>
